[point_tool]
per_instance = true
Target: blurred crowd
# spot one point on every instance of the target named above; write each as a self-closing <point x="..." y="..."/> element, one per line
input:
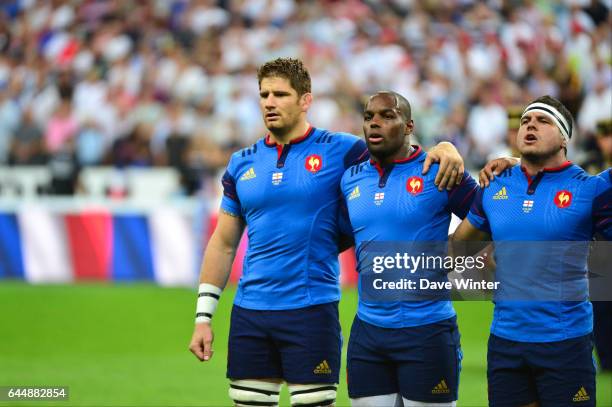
<point x="173" y="82"/>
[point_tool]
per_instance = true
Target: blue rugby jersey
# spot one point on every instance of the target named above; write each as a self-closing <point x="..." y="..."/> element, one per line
<point x="558" y="204"/>
<point x="399" y="204"/>
<point x="607" y="175"/>
<point x="288" y="196"/>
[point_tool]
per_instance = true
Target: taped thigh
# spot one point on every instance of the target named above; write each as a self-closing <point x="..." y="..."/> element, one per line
<point x="254" y="392"/>
<point x="311" y="395"/>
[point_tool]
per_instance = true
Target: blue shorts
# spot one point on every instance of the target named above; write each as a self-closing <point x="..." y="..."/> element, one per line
<point x="301" y="346"/>
<point x="555" y="374"/>
<point x="421" y="363"/>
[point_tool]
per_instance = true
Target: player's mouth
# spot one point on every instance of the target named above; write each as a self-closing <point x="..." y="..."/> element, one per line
<point x="272" y="116"/>
<point x="375" y="138"/>
<point x="530" y="138"/>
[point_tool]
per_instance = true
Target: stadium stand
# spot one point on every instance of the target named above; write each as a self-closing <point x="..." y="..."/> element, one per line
<point x="84" y="83"/>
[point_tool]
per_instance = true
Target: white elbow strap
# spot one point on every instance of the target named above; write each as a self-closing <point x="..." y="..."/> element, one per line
<point x="208" y="298"/>
<point x="254" y="393"/>
<point x="312" y="394"/>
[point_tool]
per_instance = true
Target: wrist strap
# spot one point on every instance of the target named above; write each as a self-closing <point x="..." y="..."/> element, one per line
<point x="208" y="298"/>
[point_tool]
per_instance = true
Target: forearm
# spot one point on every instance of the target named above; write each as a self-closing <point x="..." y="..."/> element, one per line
<point x="216" y="268"/>
<point x="217" y="264"/>
<point x="463" y="241"/>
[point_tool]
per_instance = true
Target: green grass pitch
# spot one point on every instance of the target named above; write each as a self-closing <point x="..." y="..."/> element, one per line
<point x="126" y="345"/>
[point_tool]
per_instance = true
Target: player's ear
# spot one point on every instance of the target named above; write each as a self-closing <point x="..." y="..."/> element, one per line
<point x="306" y="101"/>
<point x="563" y="142"/>
<point x="409" y="127"/>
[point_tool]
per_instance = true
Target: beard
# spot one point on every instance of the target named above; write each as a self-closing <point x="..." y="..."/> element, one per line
<point x="541" y="156"/>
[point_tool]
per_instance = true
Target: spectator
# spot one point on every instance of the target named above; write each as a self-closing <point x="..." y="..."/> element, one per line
<point x="27" y="147"/>
<point x="487" y="125"/>
<point x="185" y="74"/>
<point x="134" y="149"/>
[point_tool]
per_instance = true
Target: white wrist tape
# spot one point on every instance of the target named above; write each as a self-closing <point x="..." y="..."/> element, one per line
<point x="208" y="298"/>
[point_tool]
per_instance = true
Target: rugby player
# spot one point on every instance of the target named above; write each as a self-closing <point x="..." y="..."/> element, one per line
<point x="540" y="352"/>
<point x="285" y="189"/>
<point x="402" y="351"/>
<point x="602" y="310"/>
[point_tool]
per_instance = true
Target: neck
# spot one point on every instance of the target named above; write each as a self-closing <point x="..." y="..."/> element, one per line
<point x="403" y="152"/>
<point x="285" y="137"/>
<point x="533" y="165"/>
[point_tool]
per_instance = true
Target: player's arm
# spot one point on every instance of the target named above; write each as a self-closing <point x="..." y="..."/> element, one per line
<point x="467" y="232"/>
<point x="346" y="240"/>
<point x="217" y="265"/>
<point x="357" y="153"/>
<point x="451" y="167"/>
<point x="602" y="212"/>
<point x="214" y="273"/>
<point x="221" y="249"/>
<point x="461" y="241"/>
<point x="474" y="227"/>
<point x="494" y="168"/>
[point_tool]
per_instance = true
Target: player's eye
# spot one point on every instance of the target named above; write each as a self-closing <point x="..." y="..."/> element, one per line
<point x="263" y="95"/>
<point x="367" y="117"/>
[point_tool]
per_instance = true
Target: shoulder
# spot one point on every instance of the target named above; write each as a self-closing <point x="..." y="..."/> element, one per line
<point x="579" y="176"/>
<point x="602" y="183"/>
<point x="607" y="175"/>
<point x="512" y="172"/>
<point x="327" y="136"/>
<point x="244" y="156"/>
<point x="354" y="172"/>
<point x="335" y="139"/>
<point x="246" y="152"/>
<point x="433" y="168"/>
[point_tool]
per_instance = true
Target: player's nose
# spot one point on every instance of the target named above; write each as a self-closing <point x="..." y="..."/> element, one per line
<point x="270" y="102"/>
<point x="374" y="123"/>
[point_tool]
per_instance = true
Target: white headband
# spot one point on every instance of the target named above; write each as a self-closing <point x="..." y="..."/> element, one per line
<point x="554" y="114"/>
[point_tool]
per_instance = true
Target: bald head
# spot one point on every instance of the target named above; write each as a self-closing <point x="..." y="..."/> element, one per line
<point x="400" y="103"/>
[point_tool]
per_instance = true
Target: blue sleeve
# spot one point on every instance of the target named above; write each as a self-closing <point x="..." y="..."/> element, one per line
<point x="602" y="212"/>
<point x="477" y="216"/>
<point x="460" y="198"/>
<point x="344" y="221"/>
<point x="607" y="175"/>
<point x="356" y="154"/>
<point x="230" y="201"/>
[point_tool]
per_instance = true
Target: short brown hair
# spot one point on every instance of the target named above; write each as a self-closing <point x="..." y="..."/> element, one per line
<point x="289" y="68"/>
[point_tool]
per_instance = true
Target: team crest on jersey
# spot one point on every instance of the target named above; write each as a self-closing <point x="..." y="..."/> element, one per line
<point x="563" y="199"/>
<point x="277" y="178"/>
<point x="414" y="185"/>
<point x="313" y="163"/>
<point x="527" y="205"/>
<point x="379" y="197"/>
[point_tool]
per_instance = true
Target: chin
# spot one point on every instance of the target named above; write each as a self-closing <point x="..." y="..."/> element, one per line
<point x="376" y="150"/>
<point x="274" y="126"/>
